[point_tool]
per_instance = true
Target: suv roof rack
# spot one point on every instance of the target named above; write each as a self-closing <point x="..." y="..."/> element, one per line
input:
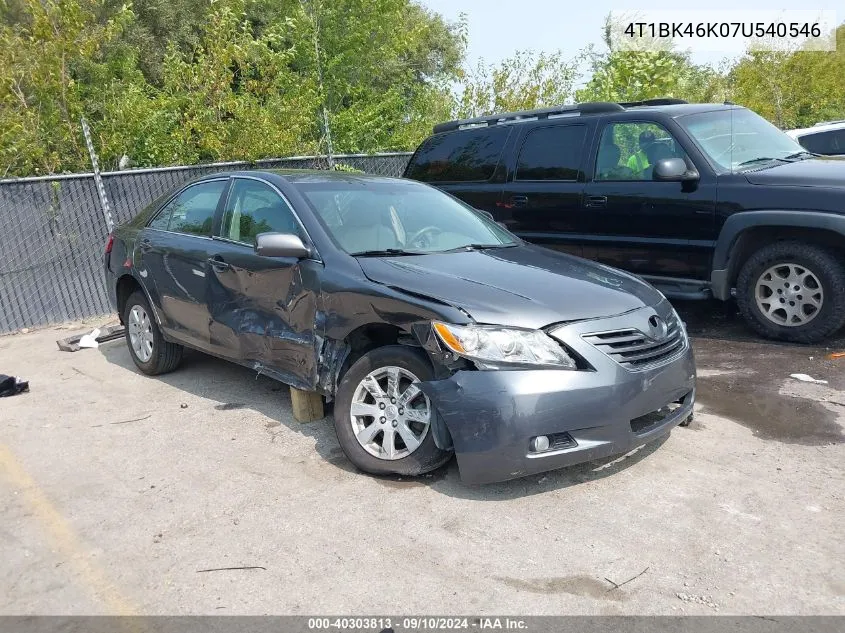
<point x="654" y="102"/>
<point x="591" y="107"/>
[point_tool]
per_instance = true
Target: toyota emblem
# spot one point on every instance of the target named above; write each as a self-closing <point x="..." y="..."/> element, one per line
<point x="657" y="328"/>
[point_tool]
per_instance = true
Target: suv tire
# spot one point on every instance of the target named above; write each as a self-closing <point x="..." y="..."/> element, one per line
<point x="375" y="439"/>
<point x="151" y="353"/>
<point x="780" y="287"/>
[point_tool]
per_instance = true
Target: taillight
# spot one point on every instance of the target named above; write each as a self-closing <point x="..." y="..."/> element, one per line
<point x="109" y="243"/>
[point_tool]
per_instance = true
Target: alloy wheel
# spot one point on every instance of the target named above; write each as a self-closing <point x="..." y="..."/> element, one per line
<point x="140" y="333"/>
<point x="789" y="294"/>
<point x="390" y="415"/>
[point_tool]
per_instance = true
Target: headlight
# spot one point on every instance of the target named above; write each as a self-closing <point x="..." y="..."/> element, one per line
<point x="499" y="345"/>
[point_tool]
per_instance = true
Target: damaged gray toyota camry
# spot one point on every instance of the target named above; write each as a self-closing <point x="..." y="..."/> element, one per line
<point x="432" y="329"/>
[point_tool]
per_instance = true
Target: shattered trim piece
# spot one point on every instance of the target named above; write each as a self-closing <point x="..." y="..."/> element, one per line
<point x="108" y="333"/>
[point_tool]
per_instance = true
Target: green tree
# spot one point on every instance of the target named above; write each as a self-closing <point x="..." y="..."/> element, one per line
<point x="525" y="81"/>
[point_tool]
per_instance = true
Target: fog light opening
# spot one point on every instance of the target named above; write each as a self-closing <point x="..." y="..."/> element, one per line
<point x="539" y="444"/>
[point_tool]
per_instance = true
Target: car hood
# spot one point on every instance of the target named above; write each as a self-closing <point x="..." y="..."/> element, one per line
<point x="523" y="286"/>
<point x="813" y="172"/>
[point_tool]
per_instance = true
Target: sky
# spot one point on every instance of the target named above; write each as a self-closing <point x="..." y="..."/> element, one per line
<point x="497" y="28"/>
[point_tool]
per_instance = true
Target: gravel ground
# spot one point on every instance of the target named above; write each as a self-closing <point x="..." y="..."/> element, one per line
<point x="118" y="492"/>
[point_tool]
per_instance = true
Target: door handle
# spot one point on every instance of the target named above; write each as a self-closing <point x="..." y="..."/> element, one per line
<point x="218" y="264"/>
<point x="596" y="202"/>
<point x="145" y="245"/>
<point x="519" y="201"/>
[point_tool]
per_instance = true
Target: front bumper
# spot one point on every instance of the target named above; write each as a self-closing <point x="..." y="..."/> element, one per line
<point x="493" y="415"/>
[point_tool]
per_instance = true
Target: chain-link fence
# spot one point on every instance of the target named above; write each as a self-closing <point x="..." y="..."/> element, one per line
<point x="53" y="233"/>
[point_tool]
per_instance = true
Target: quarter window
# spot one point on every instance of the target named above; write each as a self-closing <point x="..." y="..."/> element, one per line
<point x="192" y="211"/>
<point x="552" y="153"/>
<point x="468" y="155"/>
<point x="254" y="207"/>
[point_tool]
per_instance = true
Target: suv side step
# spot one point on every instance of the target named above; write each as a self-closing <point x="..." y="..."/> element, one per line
<point x="680" y="288"/>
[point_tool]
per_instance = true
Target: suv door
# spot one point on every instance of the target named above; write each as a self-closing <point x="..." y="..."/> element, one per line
<point x="262" y="308"/>
<point x="173" y="252"/>
<point x="648" y="227"/>
<point x="541" y="201"/>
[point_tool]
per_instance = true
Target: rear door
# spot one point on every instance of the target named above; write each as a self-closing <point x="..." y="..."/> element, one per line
<point x="262" y="308"/>
<point x="541" y="201"/>
<point x="173" y="253"/>
<point x="466" y="163"/>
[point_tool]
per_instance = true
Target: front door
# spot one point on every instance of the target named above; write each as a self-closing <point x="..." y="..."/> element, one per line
<point x="174" y="250"/>
<point x="262" y="308"/>
<point x="639" y="224"/>
<point x="542" y="198"/>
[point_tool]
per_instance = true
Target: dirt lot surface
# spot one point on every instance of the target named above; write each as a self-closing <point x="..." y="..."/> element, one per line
<point x="118" y="492"/>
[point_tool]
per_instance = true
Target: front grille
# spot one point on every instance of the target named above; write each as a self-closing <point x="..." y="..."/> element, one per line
<point x="635" y="350"/>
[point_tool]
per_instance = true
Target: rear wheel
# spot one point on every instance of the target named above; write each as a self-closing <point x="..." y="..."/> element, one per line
<point x="151" y="353"/>
<point x="793" y="291"/>
<point x="382" y="419"/>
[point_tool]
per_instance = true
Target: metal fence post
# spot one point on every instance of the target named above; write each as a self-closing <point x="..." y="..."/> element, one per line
<point x="98" y="180"/>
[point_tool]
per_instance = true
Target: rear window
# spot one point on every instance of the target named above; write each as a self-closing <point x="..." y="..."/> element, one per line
<point x="552" y="153"/>
<point x="459" y="157"/>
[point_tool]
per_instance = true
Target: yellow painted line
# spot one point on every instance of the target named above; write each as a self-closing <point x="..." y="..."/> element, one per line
<point x="61" y="535"/>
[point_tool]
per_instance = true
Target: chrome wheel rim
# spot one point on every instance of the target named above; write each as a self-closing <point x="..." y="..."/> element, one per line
<point x="390" y="415"/>
<point x="140" y="330"/>
<point x="789" y="295"/>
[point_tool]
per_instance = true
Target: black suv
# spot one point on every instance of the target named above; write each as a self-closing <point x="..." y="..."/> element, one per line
<point x="702" y="200"/>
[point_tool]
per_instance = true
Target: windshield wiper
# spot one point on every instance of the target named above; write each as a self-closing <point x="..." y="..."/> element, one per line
<point x="761" y="159"/>
<point x="479" y="247"/>
<point x="797" y="155"/>
<point x="386" y="252"/>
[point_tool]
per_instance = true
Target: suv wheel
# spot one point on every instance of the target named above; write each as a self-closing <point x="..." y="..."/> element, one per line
<point x="151" y="353"/>
<point x="382" y="419"/>
<point x="793" y="291"/>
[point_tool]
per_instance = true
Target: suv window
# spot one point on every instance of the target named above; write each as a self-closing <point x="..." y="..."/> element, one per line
<point x="461" y="156"/>
<point x="552" y="153"/>
<point x="628" y="151"/>
<point x="829" y="143"/>
<point x="253" y="207"/>
<point x="192" y="211"/>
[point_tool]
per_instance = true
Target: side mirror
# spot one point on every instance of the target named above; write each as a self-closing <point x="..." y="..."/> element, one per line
<point x="280" y="245"/>
<point x="674" y="170"/>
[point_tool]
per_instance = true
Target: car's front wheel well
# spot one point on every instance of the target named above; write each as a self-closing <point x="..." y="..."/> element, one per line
<point x="754" y="238"/>
<point x="126" y="285"/>
<point x="369" y="337"/>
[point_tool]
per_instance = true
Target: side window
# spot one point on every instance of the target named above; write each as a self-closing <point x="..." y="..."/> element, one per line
<point x="254" y="207"/>
<point x="467" y="155"/>
<point x="192" y="211"/>
<point x="827" y="143"/>
<point x="628" y="151"/>
<point x="552" y="153"/>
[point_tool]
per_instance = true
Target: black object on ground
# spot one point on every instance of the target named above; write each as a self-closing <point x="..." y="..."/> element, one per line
<point x="12" y="386"/>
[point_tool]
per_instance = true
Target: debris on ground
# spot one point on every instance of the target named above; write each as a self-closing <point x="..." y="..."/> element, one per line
<point x="807" y="378"/>
<point x="12" y="386"/>
<point x="91" y="339"/>
<point x="200" y="571"/>
<point x="705" y="600"/>
<point x="835" y="355"/>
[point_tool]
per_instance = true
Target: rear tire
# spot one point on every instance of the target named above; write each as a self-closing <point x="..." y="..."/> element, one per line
<point x="151" y="353"/>
<point x="390" y="433"/>
<point x="793" y="291"/>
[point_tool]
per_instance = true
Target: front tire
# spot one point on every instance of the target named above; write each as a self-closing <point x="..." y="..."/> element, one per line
<point x="382" y="420"/>
<point x="151" y="353"/>
<point x="793" y="291"/>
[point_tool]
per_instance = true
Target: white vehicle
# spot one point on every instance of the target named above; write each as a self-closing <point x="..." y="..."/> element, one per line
<point x="827" y="138"/>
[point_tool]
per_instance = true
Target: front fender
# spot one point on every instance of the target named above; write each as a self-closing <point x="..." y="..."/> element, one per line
<point x="735" y="225"/>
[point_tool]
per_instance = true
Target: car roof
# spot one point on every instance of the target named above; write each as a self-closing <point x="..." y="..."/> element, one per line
<point x="818" y="127"/>
<point x="301" y="176"/>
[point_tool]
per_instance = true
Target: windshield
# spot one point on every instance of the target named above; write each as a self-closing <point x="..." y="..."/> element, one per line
<point x="379" y="215"/>
<point x="738" y="138"/>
